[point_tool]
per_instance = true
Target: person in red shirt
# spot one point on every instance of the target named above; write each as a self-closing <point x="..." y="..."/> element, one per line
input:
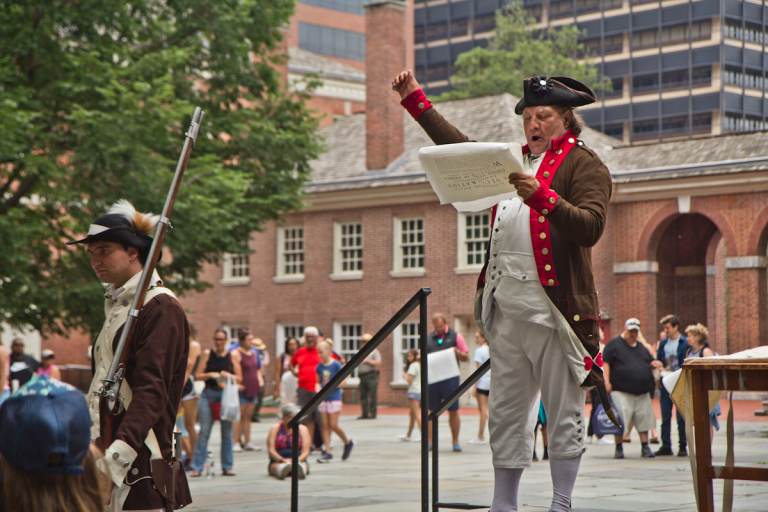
<point x="304" y="363"/>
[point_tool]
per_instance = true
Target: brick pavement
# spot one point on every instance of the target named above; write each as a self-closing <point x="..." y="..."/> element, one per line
<point x="383" y="474"/>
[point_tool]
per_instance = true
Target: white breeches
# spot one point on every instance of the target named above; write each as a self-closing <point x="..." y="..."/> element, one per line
<point x="528" y="362"/>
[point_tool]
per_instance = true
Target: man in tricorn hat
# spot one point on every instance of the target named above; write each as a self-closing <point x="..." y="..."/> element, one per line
<point x="536" y="296"/>
<point x="118" y="244"/>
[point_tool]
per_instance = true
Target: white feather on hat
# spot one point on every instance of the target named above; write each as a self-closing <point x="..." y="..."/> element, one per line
<point x="142" y="222"/>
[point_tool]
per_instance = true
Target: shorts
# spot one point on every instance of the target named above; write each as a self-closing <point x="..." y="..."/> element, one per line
<point x="330" y="406"/>
<point x="304" y="397"/>
<point x="414" y="396"/>
<point x="188" y="393"/>
<point x="244" y="400"/>
<point x="440" y="391"/>
<point x="181" y="426"/>
<point x="635" y="410"/>
<point x="484" y="392"/>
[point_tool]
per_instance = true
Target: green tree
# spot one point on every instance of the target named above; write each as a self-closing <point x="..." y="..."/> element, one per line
<point x="95" y="96"/>
<point x="517" y="52"/>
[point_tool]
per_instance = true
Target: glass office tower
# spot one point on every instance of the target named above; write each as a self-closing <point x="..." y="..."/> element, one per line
<point x="676" y="68"/>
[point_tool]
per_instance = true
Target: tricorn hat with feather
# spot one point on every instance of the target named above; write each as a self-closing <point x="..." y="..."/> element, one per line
<point x="124" y="225"/>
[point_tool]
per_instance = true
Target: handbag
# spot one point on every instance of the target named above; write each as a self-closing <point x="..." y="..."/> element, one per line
<point x="230" y="401"/>
<point x="602" y="424"/>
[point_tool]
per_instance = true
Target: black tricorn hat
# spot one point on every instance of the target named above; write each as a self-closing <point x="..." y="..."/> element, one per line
<point x="559" y="91"/>
<point x="124" y="225"/>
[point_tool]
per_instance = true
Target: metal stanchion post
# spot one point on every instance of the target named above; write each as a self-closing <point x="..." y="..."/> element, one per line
<point x="424" y="402"/>
<point x="295" y="468"/>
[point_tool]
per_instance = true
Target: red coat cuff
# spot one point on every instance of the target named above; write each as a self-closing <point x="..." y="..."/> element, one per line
<point x="544" y="200"/>
<point x="416" y="103"/>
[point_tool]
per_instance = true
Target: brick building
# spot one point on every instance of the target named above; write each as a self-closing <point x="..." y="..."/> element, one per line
<point x="687" y="233"/>
<point x="677" y="67"/>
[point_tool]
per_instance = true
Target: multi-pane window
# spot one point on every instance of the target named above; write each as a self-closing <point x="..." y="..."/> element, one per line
<point x="335" y="42"/>
<point x="405" y="338"/>
<point x="291" y="251"/>
<point x="284" y="332"/>
<point x="409" y="337"/>
<point x="347" y="341"/>
<point x="348" y="243"/>
<point x="353" y="6"/>
<point x="235" y="267"/>
<point x="474" y="238"/>
<point x="234" y="332"/>
<point x="409" y="239"/>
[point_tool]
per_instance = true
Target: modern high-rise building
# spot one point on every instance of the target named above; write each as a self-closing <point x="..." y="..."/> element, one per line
<point x="677" y="68"/>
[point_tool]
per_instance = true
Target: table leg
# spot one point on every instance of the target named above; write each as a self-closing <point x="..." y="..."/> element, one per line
<point x="701" y="438"/>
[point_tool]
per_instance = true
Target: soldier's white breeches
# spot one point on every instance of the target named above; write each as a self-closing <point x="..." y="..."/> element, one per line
<point x="528" y="362"/>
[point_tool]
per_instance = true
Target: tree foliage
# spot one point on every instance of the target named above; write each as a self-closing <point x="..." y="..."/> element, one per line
<point x="516" y="52"/>
<point x="95" y="96"/>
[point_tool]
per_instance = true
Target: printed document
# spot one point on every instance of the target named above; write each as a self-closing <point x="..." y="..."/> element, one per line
<point x="442" y="365"/>
<point x="472" y="176"/>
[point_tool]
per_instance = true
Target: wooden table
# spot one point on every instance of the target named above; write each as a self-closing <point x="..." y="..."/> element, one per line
<point x="726" y="375"/>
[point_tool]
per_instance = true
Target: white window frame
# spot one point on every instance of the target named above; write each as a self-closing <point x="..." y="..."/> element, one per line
<point x="280" y="275"/>
<point x="462" y="267"/>
<point x="228" y="267"/>
<point x="338" y="346"/>
<point x="398" y="270"/>
<point x="339" y="274"/>
<point x="280" y="336"/>
<point x="398" y="351"/>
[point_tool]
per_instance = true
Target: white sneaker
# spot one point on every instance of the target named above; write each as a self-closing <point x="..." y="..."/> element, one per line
<point x="404" y="438"/>
<point x="251" y="448"/>
<point x="478" y="441"/>
<point x="606" y="440"/>
<point x="237" y="448"/>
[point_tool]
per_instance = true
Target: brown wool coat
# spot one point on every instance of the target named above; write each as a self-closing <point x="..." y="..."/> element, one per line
<point x="155" y="368"/>
<point x="576" y="224"/>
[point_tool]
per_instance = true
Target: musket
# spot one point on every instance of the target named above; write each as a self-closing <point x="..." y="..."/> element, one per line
<point x="109" y="391"/>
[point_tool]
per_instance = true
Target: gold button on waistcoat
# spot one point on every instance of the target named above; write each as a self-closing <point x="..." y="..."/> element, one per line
<point x="571" y="140"/>
<point x="546" y="174"/>
<point x="552" y="200"/>
<point x="547" y="267"/>
<point x="542" y="235"/>
<point x="542" y="218"/>
<point x="551" y="282"/>
<point x="552" y="161"/>
<point x="576" y="318"/>
<point x="545" y="211"/>
<point x="545" y="251"/>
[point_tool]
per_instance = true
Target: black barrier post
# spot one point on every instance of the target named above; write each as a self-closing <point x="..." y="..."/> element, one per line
<point x="419" y="300"/>
<point x="435" y="465"/>
<point x="434" y="417"/>
<point x="295" y="467"/>
<point x="423" y="377"/>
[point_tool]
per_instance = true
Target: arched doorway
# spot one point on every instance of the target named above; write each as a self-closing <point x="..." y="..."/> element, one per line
<point x="691" y="280"/>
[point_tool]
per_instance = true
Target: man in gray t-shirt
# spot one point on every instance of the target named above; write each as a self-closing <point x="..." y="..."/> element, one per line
<point x="369" y="381"/>
<point x="670" y="356"/>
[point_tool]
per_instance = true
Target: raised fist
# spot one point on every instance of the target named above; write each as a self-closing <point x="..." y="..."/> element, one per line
<point x="405" y="83"/>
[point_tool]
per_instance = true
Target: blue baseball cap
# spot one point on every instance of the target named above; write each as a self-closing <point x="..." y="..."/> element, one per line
<point x="45" y="427"/>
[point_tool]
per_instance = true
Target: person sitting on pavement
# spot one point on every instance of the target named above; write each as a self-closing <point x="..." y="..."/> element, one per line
<point x="47" y="461"/>
<point x="280" y="445"/>
<point x="628" y="369"/>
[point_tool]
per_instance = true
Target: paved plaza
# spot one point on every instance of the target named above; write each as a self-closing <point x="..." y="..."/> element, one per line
<point x="383" y="475"/>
